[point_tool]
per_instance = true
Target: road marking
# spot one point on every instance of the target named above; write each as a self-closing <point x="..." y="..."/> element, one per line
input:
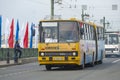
<point x="116" y="61"/>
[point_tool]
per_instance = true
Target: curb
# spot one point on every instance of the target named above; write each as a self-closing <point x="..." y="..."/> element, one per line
<point x="20" y="62"/>
<point x="1" y="66"/>
<point x="29" y="60"/>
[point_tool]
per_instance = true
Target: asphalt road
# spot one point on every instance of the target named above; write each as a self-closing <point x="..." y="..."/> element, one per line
<point x="109" y="70"/>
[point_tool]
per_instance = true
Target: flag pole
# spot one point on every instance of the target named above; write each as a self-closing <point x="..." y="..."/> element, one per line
<point x="0" y="29"/>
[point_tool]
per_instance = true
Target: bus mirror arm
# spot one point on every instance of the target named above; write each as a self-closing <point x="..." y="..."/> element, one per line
<point x="43" y="36"/>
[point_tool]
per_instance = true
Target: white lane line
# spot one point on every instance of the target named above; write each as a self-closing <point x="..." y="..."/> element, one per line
<point x="116" y="61"/>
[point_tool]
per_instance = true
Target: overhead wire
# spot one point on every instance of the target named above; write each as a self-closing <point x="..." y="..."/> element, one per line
<point x="68" y="4"/>
<point x="40" y="3"/>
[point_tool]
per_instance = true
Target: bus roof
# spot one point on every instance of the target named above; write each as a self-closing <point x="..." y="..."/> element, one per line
<point x="113" y="32"/>
<point x="71" y="19"/>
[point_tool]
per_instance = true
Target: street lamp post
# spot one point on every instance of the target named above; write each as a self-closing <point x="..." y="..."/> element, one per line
<point x="52" y="9"/>
<point x="104" y="23"/>
<point x="53" y="2"/>
<point x="83" y="15"/>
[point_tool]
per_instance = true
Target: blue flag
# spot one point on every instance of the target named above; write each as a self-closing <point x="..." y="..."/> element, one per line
<point x="31" y="37"/>
<point x="17" y="31"/>
<point x="0" y="29"/>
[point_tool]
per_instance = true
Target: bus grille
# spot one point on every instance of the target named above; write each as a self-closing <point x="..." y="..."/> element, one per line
<point x="58" y="53"/>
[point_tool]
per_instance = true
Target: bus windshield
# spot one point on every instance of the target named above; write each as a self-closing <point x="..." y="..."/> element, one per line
<point x="112" y="39"/>
<point x="59" y="32"/>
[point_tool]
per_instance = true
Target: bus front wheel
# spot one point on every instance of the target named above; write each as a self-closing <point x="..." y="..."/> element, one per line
<point x="83" y="65"/>
<point x="48" y="67"/>
<point x="101" y="60"/>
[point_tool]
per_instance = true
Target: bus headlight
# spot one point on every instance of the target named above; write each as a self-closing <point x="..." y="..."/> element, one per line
<point x="42" y="54"/>
<point x="74" y="53"/>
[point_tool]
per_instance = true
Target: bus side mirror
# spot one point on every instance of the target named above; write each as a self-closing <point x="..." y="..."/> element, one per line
<point x="81" y="31"/>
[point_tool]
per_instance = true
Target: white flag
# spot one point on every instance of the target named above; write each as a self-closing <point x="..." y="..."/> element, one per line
<point x="36" y="37"/>
<point x="21" y="34"/>
<point x="7" y="30"/>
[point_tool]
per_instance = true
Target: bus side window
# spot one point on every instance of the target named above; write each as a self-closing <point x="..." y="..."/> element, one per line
<point x="90" y="32"/>
<point x="85" y="31"/>
<point x="84" y="28"/>
<point x="98" y="33"/>
<point x="94" y="35"/>
<point x="81" y="31"/>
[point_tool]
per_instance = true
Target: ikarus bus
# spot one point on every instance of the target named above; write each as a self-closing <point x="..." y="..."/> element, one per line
<point x="69" y="42"/>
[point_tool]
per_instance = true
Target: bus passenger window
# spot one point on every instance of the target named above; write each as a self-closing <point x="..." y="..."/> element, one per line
<point x="81" y="31"/>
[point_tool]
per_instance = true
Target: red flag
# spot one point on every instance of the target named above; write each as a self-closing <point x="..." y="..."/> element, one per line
<point x="25" y="42"/>
<point x="11" y="36"/>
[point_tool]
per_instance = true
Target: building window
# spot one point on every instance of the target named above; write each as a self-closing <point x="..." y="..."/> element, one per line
<point x="114" y="7"/>
<point x="84" y="7"/>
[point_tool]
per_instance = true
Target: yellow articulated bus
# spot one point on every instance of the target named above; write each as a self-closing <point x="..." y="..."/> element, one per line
<point x="69" y="42"/>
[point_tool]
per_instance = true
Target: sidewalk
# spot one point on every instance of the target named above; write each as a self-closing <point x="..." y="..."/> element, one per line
<point x="21" y="61"/>
<point x="5" y="64"/>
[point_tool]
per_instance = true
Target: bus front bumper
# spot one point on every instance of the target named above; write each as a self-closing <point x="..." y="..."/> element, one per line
<point x="59" y="60"/>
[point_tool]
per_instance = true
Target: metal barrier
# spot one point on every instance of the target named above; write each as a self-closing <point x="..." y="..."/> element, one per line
<point x="26" y="52"/>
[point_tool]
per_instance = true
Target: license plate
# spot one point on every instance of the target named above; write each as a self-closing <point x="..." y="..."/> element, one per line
<point x="58" y="58"/>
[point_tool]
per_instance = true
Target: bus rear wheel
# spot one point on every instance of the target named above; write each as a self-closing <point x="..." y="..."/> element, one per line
<point x="101" y="60"/>
<point x="93" y="62"/>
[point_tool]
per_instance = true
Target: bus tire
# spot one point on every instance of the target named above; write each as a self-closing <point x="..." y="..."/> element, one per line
<point x="93" y="61"/>
<point x="83" y="65"/>
<point x="101" y="61"/>
<point x="48" y="67"/>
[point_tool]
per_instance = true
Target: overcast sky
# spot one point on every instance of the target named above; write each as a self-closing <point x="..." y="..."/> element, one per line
<point x="35" y="10"/>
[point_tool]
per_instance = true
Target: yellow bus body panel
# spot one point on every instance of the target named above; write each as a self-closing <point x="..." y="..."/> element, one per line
<point x="59" y="47"/>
